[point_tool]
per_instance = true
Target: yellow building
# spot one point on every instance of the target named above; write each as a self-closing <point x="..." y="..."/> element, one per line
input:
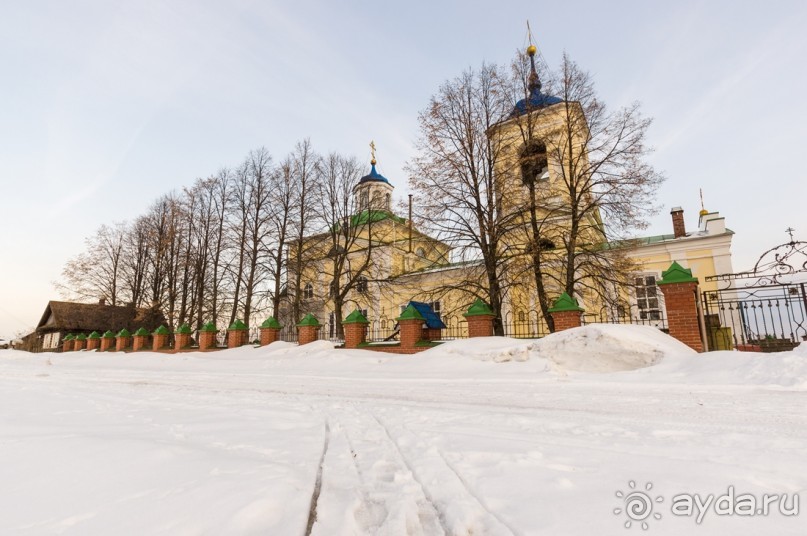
<point x="399" y="264"/>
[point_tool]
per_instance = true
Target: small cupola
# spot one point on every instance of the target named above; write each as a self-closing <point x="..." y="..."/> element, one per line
<point x="535" y="99"/>
<point x="373" y="191"/>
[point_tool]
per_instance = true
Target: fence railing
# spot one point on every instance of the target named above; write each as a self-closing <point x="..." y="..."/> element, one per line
<point x="515" y="324"/>
<point x="770" y="318"/>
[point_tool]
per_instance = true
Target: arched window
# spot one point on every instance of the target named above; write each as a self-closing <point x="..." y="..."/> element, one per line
<point x="361" y="284"/>
<point x="364" y="199"/>
<point x="521" y="316"/>
<point x="534" y="163"/>
<point x="308" y="291"/>
<point x="387" y="200"/>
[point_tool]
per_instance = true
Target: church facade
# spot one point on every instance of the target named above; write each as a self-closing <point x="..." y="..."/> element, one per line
<point x="396" y="263"/>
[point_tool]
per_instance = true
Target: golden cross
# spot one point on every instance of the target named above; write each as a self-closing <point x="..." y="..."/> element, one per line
<point x="372" y="151"/>
<point x="529" y="32"/>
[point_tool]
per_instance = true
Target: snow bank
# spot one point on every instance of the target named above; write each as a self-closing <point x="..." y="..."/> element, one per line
<point x="598" y="348"/>
<point x="784" y="369"/>
<point x="609" y="348"/>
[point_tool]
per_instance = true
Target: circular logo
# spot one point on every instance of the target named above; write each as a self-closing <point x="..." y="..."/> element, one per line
<point x="637" y="505"/>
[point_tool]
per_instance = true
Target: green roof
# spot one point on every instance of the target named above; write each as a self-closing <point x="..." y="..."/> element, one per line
<point x="479" y="308"/>
<point x="142" y="332"/>
<point x="271" y="322"/>
<point x="410" y="313"/>
<point x="184" y="329"/>
<point x="372" y="216"/>
<point x="676" y="274"/>
<point x="108" y="334"/>
<point x="356" y="318"/>
<point x="94" y="335"/>
<point x="210" y="327"/>
<point x="81" y="337"/>
<point x="565" y="303"/>
<point x="237" y="326"/>
<point x="69" y="337"/>
<point x="162" y="330"/>
<point x="124" y="333"/>
<point x="308" y="320"/>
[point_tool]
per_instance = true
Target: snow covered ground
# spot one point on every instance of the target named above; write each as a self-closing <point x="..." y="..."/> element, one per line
<point x="483" y="436"/>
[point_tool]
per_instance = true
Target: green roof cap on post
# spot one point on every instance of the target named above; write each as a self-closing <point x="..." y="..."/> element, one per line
<point x="676" y="274"/>
<point x="309" y="320"/>
<point x="94" y="335"/>
<point x="410" y="313"/>
<point x="162" y="330"/>
<point x="355" y="318"/>
<point x="108" y="334"/>
<point x="479" y="308"/>
<point x="124" y="333"/>
<point x="271" y="322"/>
<point x="69" y="337"/>
<point x="237" y="326"/>
<point x="565" y="303"/>
<point x="184" y="329"/>
<point x="210" y="327"/>
<point x="142" y="332"/>
<point x="81" y="337"/>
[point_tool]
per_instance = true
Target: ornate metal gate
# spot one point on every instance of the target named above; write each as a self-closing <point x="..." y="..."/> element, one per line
<point x="764" y="309"/>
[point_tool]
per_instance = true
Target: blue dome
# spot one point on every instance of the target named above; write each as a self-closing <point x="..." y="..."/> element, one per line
<point x="374" y="176"/>
<point x="536" y="100"/>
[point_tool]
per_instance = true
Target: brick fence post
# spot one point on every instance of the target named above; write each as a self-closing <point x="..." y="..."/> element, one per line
<point x="182" y="337"/>
<point x="270" y="330"/>
<point x="680" y="299"/>
<point x="566" y="313"/>
<point x="236" y="334"/>
<point x="355" y="326"/>
<point x="160" y="339"/>
<point x="140" y="337"/>
<point x="79" y="342"/>
<point x="411" y="325"/>
<point x="108" y="341"/>
<point x="123" y="340"/>
<point x="307" y="329"/>
<point x="67" y="342"/>
<point x="480" y="319"/>
<point x="207" y="336"/>
<point x="93" y="340"/>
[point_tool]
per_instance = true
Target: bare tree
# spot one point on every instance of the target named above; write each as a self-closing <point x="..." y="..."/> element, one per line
<point x="348" y="242"/>
<point x="252" y="213"/>
<point x="219" y="204"/>
<point x="136" y="261"/>
<point x="306" y="172"/>
<point x="580" y="164"/>
<point x="96" y="272"/>
<point x="284" y="202"/>
<point x="454" y="175"/>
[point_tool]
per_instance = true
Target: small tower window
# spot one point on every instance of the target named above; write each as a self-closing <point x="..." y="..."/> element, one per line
<point x="534" y="163"/>
<point x="387" y="200"/>
<point x="364" y="199"/>
<point x="308" y="291"/>
<point x="361" y="284"/>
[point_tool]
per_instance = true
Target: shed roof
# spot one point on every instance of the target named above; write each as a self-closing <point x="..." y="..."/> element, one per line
<point x="71" y="316"/>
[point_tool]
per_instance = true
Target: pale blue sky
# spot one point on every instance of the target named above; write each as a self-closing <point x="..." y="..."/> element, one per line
<point x="104" y="106"/>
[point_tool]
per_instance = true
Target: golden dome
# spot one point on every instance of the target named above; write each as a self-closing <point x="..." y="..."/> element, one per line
<point x="703" y="212"/>
<point x="531" y="50"/>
